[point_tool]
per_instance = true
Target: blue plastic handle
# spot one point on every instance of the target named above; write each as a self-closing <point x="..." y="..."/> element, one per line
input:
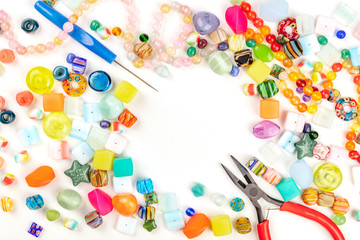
<point x="78" y="33"/>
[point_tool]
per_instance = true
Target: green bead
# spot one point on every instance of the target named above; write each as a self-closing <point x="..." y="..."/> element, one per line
<point x="144" y="37"/>
<point x="236" y="2"/>
<point x="322" y="40"/>
<point x="150" y="225"/>
<point x="69" y="199"/>
<point x="250" y="43"/>
<point x="314" y="135"/>
<point x="263" y="53"/>
<point x="339" y="219"/>
<point x="191" y="51"/>
<point x="305" y="147"/>
<point x="52" y="215"/>
<point x="345" y="54"/>
<point x="95" y="25"/>
<point x="78" y="173"/>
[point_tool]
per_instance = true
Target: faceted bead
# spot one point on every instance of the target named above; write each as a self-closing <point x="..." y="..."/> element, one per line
<point x="236" y="19"/>
<point x="101" y="201"/>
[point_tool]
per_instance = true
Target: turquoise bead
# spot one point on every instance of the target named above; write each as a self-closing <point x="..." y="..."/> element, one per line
<point x="110" y="106"/>
<point x="288" y="189"/>
<point x="123" y="167"/>
<point x="95" y="25"/>
<point x="198" y="190"/>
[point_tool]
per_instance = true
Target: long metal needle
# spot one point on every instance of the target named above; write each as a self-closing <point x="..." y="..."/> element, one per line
<point x="135" y="75"/>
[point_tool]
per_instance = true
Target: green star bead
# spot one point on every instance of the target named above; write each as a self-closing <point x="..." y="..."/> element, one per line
<point x="150" y="225"/>
<point x="345" y="54"/>
<point x="305" y="147"/>
<point x="78" y="173"/>
<point x="322" y="40"/>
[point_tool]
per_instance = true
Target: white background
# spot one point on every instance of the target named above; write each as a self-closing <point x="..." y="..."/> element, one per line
<point x="183" y="133"/>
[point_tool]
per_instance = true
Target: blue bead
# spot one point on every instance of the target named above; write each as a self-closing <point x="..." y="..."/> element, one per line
<point x="61" y="73"/>
<point x="288" y="189"/>
<point x="35" y="229"/>
<point x="167" y="202"/>
<point x="142" y="212"/>
<point x="234" y="71"/>
<point x="79" y="65"/>
<point x="341" y="34"/>
<point x="70" y="58"/>
<point x="92" y="112"/>
<point x="198" y="190"/>
<point x="302" y="173"/>
<point x="190" y="212"/>
<point x="287" y="141"/>
<point x="307" y="128"/>
<point x="105" y="124"/>
<point x="83" y="153"/>
<point x="144" y="186"/>
<point x="29" y="136"/>
<point x="174" y="220"/>
<point x="7" y="116"/>
<point x="223" y="46"/>
<point x="237" y="204"/>
<point x="79" y="130"/>
<point x="29" y="25"/>
<point x="35" y="202"/>
<point x="100" y="81"/>
<point x="355" y="56"/>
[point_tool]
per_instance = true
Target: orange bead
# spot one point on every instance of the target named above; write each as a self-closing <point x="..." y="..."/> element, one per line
<point x="354" y="71"/>
<point x="73" y="18"/>
<point x="316" y="96"/>
<point x="40" y="177"/>
<point x="125" y="204"/>
<point x="265" y="30"/>
<point x="294" y="76"/>
<point x="350" y="135"/>
<point x="288" y="62"/>
<point x="302" y="107"/>
<point x="7" y="56"/>
<point x="312" y="108"/>
<point x="249" y="33"/>
<point x="358" y="89"/>
<point x="295" y="101"/>
<point x="280" y="56"/>
<point x="269" y="109"/>
<point x="307" y="90"/>
<point x="327" y="84"/>
<point x="350" y="146"/>
<point x="309" y="82"/>
<point x="259" y="38"/>
<point x="288" y="93"/>
<point x="196" y="225"/>
<point x="53" y="102"/>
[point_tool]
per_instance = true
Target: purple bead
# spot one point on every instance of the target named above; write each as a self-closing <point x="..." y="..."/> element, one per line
<point x="70" y="58"/>
<point x="266" y="129"/>
<point x="307" y="128"/>
<point x="223" y="46"/>
<point x="105" y="124"/>
<point x="190" y="212"/>
<point x="234" y="71"/>
<point x="306" y="98"/>
<point x="205" y="22"/>
<point x="299" y="90"/>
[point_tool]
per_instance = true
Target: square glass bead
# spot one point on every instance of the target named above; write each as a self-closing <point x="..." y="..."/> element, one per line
<point x="97" y="138"/>
<point x="103" y="160"/>
<point x="80" y="129"/>
<point x="125" y="91"/>
<point x="35" y="229"/>
<point x="151" y="198"/>
<point x="126" y="225"/>
<point x="83" y="153"/>
<point x="294" y="122"/>
<point x="355" y="56"/>
<point x="287" y="141"/>
<point x="53" y="102"/>
<point x="174" y="220"/>
<point x="273" y="153"/>
<point x="288" y="189"/>
<point x="305" y="24"/>
<point x="92" y="112"/>
<point x="344" y="14"/>
<point x="116" y="143"/>
<point x="324" y="117"/>
<point x="122" y="184"/>
<point x="59" y="150"/>
<point x="221" y="225"/>
<point x="259" y="71"/>
<point x="269" y="108"/>
<point x="73" y="106"/>
<point x="309" y="44"/>
<point x="123" y="167"/>
<point x="167" y="202"/>
<point x="29" y="136"/>
<point x="325" y="26"/>
<point x="328" y="54"/>
<point x="338" y="156"/>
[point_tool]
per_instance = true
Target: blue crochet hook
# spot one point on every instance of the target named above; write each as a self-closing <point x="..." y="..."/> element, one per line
<point x="82" y="36"/>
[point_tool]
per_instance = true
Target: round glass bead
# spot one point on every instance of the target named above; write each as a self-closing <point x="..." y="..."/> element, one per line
<point x="314" y="135"/>
<point x="190" y="212"/>
<point x="105" y="124"/>
<point x="202" y="43"/>
<point x="339" y="219"/>
<point x="345" y="54"/>
<point x="235" y="71"/>
<point x="191" y="51"/>
<point x="322" y="40"/>
<point x="250" y="43"/>
<point x="94" y="25"/>
<point x="341" y="34"/>
<point x="144" y="37"/>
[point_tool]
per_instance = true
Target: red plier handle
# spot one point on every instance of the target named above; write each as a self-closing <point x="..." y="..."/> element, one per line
<point x="264" y="231"/>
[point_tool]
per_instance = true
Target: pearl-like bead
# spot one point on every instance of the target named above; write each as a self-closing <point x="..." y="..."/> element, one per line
<point x="178" y="43"/>
<point x="40" y="48"/>
<point x="68" y="27"/>
<point x="31" y="49"/>
<point x="13" y="44"/>
<point x="128" y="46"/>
<point x="21" y="50"/>
<point x="62" y="35"/>
<point x="50" y="46"/>
<point x="9" y="35"/>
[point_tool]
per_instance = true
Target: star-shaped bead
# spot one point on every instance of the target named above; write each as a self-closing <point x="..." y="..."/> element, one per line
<point x="78" y="173"/>
<point x="150" y="225"/>
<point x="305" y="147"/>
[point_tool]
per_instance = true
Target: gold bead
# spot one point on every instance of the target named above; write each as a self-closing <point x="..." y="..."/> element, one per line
<point x="187" y="19"/>
<point x="165" y="8"/>
<point x="128" y="37"/>
<point x="57" y="41"/>
<point x="138" y="63"/>
<point x="92" y="1"/>
<point x="196" y="59"/>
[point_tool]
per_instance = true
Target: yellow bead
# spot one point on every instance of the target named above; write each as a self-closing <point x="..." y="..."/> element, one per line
<point x="347" y="64"/>
<point x="196" y="59"/>
<point x="294" y="76"/>
<point x="57" y="125"/>
<point x="357" y="119"/>
<point x="221" y="225"/>
<point x="281" y="84"/>
<point x="92" y="1"/>
<point x="138" y="63"/>
<point x="103" y="160"/>
<point x="331" y="75"/>
<point x="165" y="8"/>
<point x="57" y="41"/>
<point x="280" y="56"/>
<point x="355" y="127"/>
<point x="125" y="91"/>
<point x="318" y="67"/>
<point x="258" y="71"/>
<point x="128" y="37"/>
<point x="171" y="51"/>
<point x="40" y="80"/>
<point x="187" y="19"/>
<point x="312" y="109"/>
<point x="78" y="12"/>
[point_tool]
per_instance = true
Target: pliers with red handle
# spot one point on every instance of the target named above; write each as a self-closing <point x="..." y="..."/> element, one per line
<point x="255" y="193"/>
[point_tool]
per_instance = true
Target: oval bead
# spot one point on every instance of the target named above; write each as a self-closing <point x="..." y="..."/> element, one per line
<point x="263" y="53"/>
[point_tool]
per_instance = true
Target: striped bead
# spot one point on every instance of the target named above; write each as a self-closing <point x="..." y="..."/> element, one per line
<point x="293" y="49"/>
<point x="326" y="199"/>
<point x="6" y="204"/>
<point x="150" y="213"/>
<point x="93" y="219"/>
<point x="310" y="196"/>
<point x="3" y="143"/>
<point x="267" y="89"/>
<point x="272" y="176"/>
<point x="243" y="225"/>
<point x="79" y="65"/>
<point x="256" y="166"/>
<point x="341" y="206"/>
<point x="218" y="36"/>
<point x="35" y="202"/>
<point x="98" y="178"/>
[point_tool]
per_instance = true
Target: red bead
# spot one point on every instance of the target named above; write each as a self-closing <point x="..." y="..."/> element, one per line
<point x="315" y="89"/>
<point x="358" y="160"/>
<point x="271" y="38"/>
<point x="336" y="67"/>
<point x="325" y="93"/>
<point x="354" y="154"/>
<point x="258" y="22"/>
<point x="357" y="80"/>
<point x="301" y="83"/>
<point x="251" y="15"/>
<point x="245" y="7"/>
<point x="275" y="47"/>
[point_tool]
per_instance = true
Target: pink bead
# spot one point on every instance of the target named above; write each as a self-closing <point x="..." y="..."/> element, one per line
<point x="177" y="63"/>
<point x="157" y="26"/>
<point x="31" y="49"/>
<point x="40" y="48"/>
<point x="132" y="18"/>
<point x="5" y="26"/>
<point x="50" y="46"/>
<point x="131" y="8"/>
<point x="130" y="28"/>
<point x="21" y="50"/>
<point x="9" y="35"/>
<point x="183" y="36"/>
<point x="68" y="27"/>
<point x="187" y="62"/>
<point x="159" y="17"/>
<point x="178" y="43"/>
<point x="3" y="16"/>
<point x="101" y="201"/>
<point x="128" y="1"/>
<point x="157" y="44"/>
<point x="236" y="19"/>
<point x="163" y="57"/>
<point x="13" y="44"/>
<point x="187" y="28"/>
<point x="128" y="46"/>
<point x="62" y="35"/>
<point x="185" y="10"/>
<point x="148" y="64"/>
